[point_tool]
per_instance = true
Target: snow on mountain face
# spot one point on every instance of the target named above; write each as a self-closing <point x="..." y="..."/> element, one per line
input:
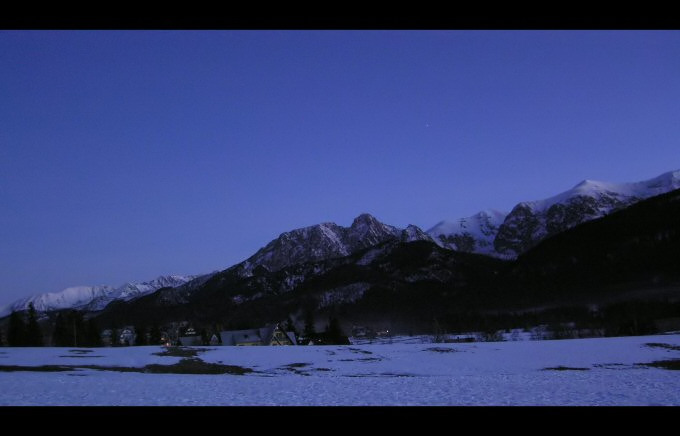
<point x="414" y="233"/>
<point x="474" y="234"/>
<point x="326" y="241"/>
<point x="93" y="298"/>
<point x="530" y="222"/>
<point x="130" y="291"/>
<point x="76" y="296"/>
<point x="504" y="235"/>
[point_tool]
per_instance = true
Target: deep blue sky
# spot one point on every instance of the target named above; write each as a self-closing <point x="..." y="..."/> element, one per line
<point x="129" y="154"/>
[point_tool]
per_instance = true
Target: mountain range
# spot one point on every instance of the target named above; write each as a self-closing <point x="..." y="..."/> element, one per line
<point x="371" y="264"/>
<point x="509" y="235"/>
<point x="93" y="298"/>
<point x="629" y="255"/>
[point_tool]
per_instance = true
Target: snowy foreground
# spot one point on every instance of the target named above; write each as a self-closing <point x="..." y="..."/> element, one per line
<point x="603" y="371"/>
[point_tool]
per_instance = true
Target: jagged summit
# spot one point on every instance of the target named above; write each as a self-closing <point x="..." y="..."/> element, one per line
<point x="325" y="241"/>
<point x="488" y="232"/>
<point x="414" y="233"/>
<point x="364" y="219"/>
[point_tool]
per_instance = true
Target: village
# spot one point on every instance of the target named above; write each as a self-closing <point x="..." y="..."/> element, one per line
<point x="274" y="334"/>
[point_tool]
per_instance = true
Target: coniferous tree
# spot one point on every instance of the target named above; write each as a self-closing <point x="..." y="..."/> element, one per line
<point x="115" y="337"/>
<point x="309" y="330"/>
<point x="217" y="328"/>
<point x="141" y="335"/>
<point x="75" y="325"/>
<point x="205" y="337"/>
<point x="16" y="333"/>
<point x="154" y="335"/>
<point x="334" y="333"/>
<point x="60" y="336"/>
<point x="94" y="338"/>
<point x="289" y="326"/>
<point x="34" y="337"/>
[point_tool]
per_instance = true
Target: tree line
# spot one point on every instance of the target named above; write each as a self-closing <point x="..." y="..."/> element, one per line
<point x="24" y="332"/>
<point x="69" y="330"/>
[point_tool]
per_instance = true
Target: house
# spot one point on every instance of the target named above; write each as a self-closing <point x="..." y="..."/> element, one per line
<point x="359" y="331"/>
<point x="127" y="336"/>
<point x="106" y="337"/>
<point x="190" y="338"/>
<point x="269" y="335"/>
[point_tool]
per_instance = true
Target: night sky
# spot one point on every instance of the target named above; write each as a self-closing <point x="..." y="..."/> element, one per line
<point x="125" y="155"/>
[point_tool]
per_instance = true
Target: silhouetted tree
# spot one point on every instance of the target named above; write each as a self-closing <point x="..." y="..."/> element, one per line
<point x="289" y="326"/>
<point x="16" y="333"/>
<point x="438" y="332"/>
<point x="205" y="336"/>
<point x="94" y="338"/>
<point x="217" y="328"/>
<point x="75" y="325"/>
<point x="60" y="336"/>
<point x="115" y="337"/>
<point x="334" y="333"/>
<point x="34" y="337"/>
<point x="154" y="335"/>
<point x="309" y="330"/>
<point x="141" y="335"/>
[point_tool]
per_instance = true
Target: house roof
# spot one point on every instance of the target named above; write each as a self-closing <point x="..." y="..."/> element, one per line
<point x="291" y="336"/>
<point x="262" y="335"/>
<point x="236" y="337"/>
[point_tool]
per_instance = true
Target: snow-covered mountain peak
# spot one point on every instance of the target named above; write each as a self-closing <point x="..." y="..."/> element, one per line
<point x="365" y="219"/>
<point x="595" y="188"/>
<point x="530" y="222"/>
<point x="414" y="233"/>
<point x="665" y="182"/>
<point x="470" y="234"/>
<point x="507" y="235"/>
<point x="72" y="297"/>
<point x="93" y="297"/>
<point x="491" y="214"/>
<point x="319" y="242"/>
<point x="366" y="224"/>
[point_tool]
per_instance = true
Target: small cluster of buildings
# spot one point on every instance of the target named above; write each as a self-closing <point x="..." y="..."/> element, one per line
<point x="268" y="335"/>
<point x="272" y="334"/>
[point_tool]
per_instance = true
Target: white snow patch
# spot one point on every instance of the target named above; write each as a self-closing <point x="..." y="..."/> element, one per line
<point x="482" y="226"/>
<point x="593" y="188"/>
<point x="93" y="297"/>
<point x="343" y="294"/>
<point x="370" y="256"/>
<point x="595" y="372"/>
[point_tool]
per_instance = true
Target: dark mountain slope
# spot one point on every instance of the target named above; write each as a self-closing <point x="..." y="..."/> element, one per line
<point x="402" y="281"/>
<point x="629" y="255"/>
<point x="631" y="252"/>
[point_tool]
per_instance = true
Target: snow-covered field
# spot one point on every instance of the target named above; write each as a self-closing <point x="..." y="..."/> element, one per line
<point x="602" y="371"/>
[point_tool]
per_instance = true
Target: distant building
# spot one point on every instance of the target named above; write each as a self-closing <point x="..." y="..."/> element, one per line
<point x="190" y="338"/>
<point x="359" y="331"/>
<point x="106" y="337"/>
<point x="269" y="335"/>
<point x="127" y="336"/>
